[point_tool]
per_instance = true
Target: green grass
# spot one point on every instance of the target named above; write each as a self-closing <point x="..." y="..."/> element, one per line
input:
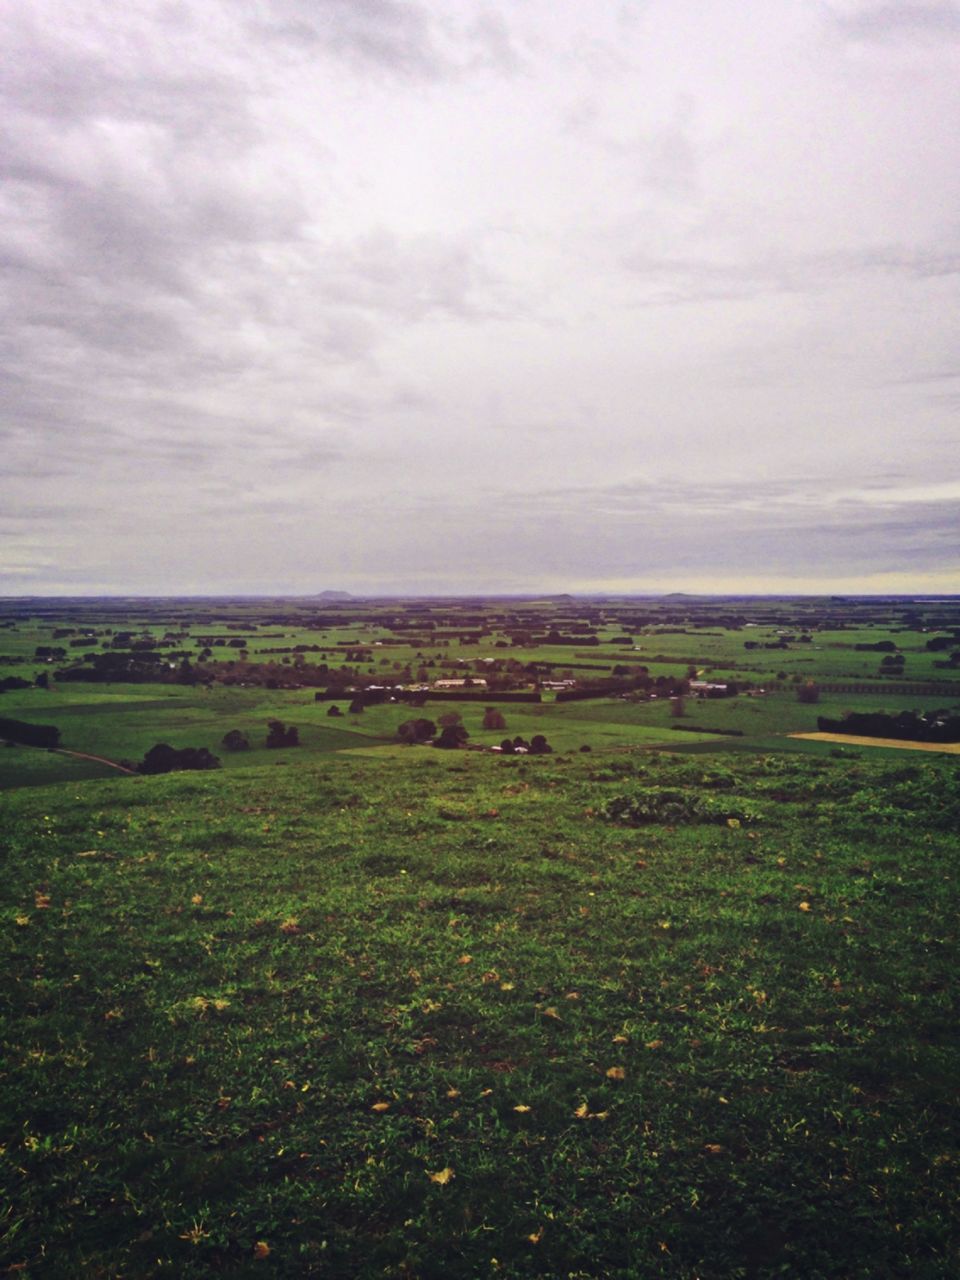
<point x="213" y="979"/>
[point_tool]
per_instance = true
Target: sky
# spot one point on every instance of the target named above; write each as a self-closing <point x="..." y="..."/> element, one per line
<point x="460" y="296"/>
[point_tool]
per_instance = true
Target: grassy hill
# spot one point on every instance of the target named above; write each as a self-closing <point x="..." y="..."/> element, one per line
<point x="403" y="1013"/>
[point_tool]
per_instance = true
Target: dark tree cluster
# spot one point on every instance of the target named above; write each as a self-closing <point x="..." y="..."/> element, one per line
<point x="930" y="726"/>
<point x="166" y="759"/>
<point x="30" y="735"/>
<point x="537" y="746"/>
<point x="278" y="735"/>
<point x="416" y="731"/>
<point x="14" y="682"/>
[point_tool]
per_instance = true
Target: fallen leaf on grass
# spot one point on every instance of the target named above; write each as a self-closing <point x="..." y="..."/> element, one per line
<point x="380" y="1106"/>
<point x="261" y="1249"/>
<point x="290" y="925"/>
<point x="616" y="1073"/>
<point x="41" y="901"/>
<point x="713" y="1148"/>
<point x="583" y="1112"/>
<point x="804" y="906"/>
<point x="442" y="1176"/>
<point x="654" y="1044"/>
<point x="535" y="1236"/>
<point x="197" y="899"/>
<point x="465" y="959"/>
<point x="453" y="1093"/>
<point x="506" y="986"/>
<point x="521" y="1107"/>
<point x="621" y="1040"/>
<point x="551" y="1012"/>
<point x="22" y="921"/>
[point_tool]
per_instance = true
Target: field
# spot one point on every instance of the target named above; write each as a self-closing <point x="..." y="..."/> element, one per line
<point x="851" y="740"/>
<point x="682" y="1005"/>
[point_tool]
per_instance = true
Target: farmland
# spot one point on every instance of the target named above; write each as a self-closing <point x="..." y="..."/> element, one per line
<point x="682" y="1004"/>
<point x="117" y="676"/>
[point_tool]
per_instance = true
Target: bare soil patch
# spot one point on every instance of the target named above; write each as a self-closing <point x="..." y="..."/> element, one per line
<point x="950" y="748"/>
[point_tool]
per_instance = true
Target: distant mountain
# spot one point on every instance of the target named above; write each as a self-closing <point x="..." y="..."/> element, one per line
<point x="331" y="595"/>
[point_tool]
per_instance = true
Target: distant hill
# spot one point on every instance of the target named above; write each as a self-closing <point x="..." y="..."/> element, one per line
<point x="331" y="595"/>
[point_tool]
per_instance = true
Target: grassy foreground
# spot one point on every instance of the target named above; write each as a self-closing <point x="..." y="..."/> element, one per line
<point x="416" y="1014"/>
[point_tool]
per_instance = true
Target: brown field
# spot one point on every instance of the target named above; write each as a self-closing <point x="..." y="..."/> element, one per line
<point x="951" y="748"/>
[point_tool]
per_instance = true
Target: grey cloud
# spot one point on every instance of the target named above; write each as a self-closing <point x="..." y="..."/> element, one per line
<point x="731" y="541"/>
<point x="410" y="278"/>
<point x="393" y="36"/>
<point x="409" y="40"/>
<point x="899" y="21"/>
<point x="694" y="279"/>
<point x="259" y="257"/>
<point x="493" y="43"/>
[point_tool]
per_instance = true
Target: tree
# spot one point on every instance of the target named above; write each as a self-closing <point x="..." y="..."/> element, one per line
<point x="334" y="710"/>
<point x="493" y="719"/>
<point x="234" y="740"/>
<point x="539" y="746"/>
<point x="451" y="735"/>
<point x="809" y="692"/>
<point x="414" y="731"/>
<point x="30" y="735"/>
<point x="166" y="759"/>
<point x="280" y="736"/>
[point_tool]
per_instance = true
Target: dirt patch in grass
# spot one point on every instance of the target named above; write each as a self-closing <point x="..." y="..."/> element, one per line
<point x="950" y="748"/>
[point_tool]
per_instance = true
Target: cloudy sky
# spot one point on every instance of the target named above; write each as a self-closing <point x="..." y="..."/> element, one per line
<point x="466" y="295"/>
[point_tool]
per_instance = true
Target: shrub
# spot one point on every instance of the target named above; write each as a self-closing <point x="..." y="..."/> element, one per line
<point x="661" y="805"/>
<point x="234" y="740"/>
